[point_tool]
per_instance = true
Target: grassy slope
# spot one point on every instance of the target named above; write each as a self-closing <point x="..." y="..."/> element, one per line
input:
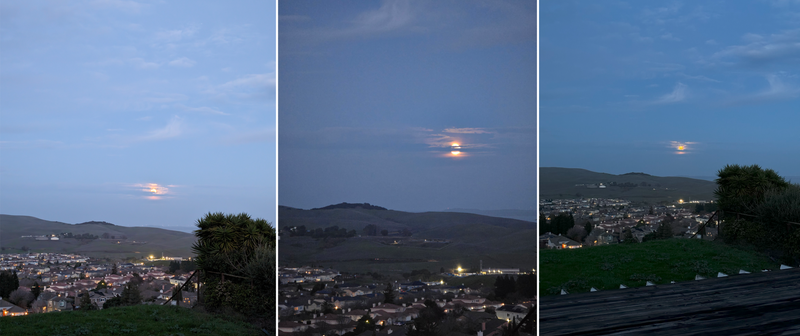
<point x="135" y="320"/>
<point x="560" y="183"/>
<point x="661" y="261"/>
<point x="171" y="243"/>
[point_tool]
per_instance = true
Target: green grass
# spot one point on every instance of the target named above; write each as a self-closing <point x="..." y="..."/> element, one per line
<point x="661" y="261"/>
<point x="135" y="320"/>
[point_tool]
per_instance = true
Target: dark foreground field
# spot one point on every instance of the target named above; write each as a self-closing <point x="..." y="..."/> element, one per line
<point x="661" y="261"/>
<point x="134" y="320"/>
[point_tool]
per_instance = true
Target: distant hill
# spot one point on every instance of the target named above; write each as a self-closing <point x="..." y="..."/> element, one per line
<point x="525" y="215"/>
<point x="139" y="241"/>
<point x="344" y="205"/>
<point x="573" y="182"/>
<point x="469" y="238"/>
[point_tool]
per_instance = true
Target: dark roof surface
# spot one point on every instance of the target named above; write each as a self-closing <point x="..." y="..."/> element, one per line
<point x="765" y="303"/>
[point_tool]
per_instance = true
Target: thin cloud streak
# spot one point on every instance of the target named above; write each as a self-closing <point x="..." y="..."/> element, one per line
<point x="677" y="95"/>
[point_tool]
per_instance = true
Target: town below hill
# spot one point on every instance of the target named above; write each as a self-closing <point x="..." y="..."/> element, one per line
<point x="317" y="300"/>
<point x="575" y="223"/>
<point x="35" y="283"/>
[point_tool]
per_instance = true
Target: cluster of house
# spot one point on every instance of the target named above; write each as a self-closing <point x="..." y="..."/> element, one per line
<point x="12" y="261"/>
<point x="305" y="274"/>
<point x="338" y="306"/>
<point x="609" y="219"/>
<point x="391" y="318"/>
<point x="64" y="278"/>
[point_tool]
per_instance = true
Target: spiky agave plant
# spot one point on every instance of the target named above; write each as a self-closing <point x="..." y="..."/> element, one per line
<point x="226" y="242"/>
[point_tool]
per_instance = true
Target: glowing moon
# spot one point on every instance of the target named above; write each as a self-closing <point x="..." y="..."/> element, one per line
<point x="682" y="147"/>
<point x="154" y="189"/>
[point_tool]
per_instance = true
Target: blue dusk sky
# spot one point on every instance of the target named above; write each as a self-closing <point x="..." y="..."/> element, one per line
<point x="374" y="95"/>
<point x="137" y="113"/>
<point x="670" y="88"/>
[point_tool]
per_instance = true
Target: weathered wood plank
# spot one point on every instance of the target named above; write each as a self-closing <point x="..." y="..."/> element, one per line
<point x="753" y="304"/>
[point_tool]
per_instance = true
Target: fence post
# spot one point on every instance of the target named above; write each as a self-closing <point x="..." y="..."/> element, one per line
<point x="199" y="299"/>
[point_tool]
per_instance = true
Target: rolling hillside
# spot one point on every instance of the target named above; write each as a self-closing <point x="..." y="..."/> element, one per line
<point x="147" y="240"/>
<point x="561" y="183"/>
<point x="499" y="242"/>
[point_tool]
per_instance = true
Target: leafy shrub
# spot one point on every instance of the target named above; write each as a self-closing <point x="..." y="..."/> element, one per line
<point x="759" y="205"/>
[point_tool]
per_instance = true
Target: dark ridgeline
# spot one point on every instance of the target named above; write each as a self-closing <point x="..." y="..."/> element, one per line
<point x="345" y="205"/>
<point x="558" y="183"/>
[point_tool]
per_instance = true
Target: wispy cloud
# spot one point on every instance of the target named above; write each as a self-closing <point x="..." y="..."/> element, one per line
<point x="466" y="130"/>
<point x="202" y="109"/>
<point x="247" y="86"/>
<point x="783" y="47"/>
<point x="173" y="129"/>
<point x="223" y="36"/>
<point x="142" y="64"/>
<point x="699" y="78"/>
<point x="175" y="35"/>
<point x="669" y="37"/>
<point x="127" y="6"/>
<point x="678" y="94"/>
<point x="778" y="90"/>
<point x="466" y="138"/>
<point x="390" y="18"/>
<point x="151" y="191"/>
<point x="183" y="62"/>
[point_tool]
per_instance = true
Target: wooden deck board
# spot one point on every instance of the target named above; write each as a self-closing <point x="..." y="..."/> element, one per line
<point x="749" y="304"/>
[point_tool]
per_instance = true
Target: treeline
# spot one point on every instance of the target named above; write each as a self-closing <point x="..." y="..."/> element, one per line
<point x="372" y="230"/>
<point x="708" y="207"/>
<point x="107" y="235"/>
<point x="629" y="184"/>
<point x="328" y="232"/>
<point x="506" y="287"/>
<point x="9" y="282"/>
<point x="80" y="236"/>
<point x="186" y="266"/>
<point x="559" y="224"/>
<point x="422" y="274"/>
